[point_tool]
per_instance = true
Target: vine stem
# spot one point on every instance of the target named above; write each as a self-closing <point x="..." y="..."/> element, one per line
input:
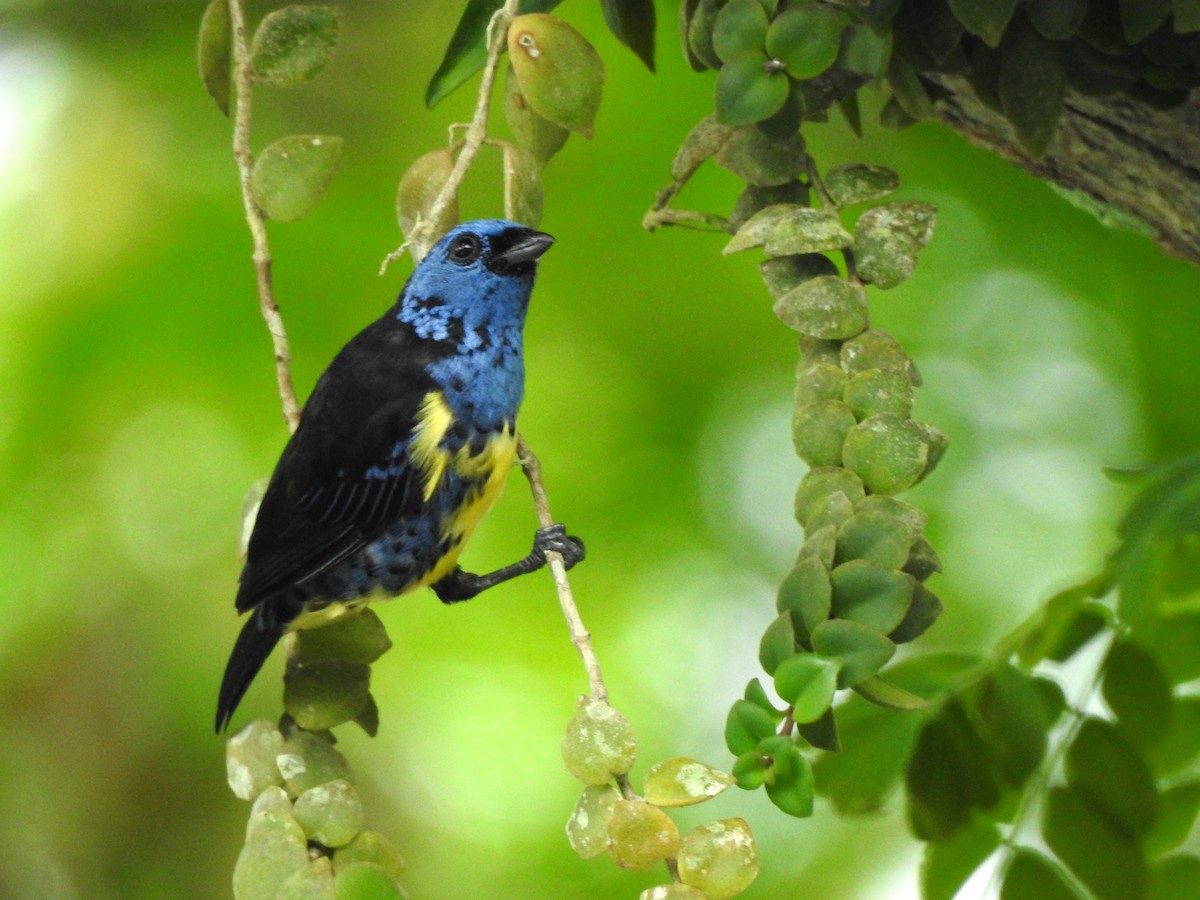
<point x="243" y="85"/>
<point x="422" y="236"/>
<point x="1041" y="780"/>
<point x="580" y="636"/>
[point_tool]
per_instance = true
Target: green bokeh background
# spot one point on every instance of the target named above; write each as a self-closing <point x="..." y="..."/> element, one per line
<point x="138" y="406"/>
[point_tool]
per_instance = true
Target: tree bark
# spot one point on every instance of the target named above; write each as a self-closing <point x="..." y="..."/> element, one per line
<point x="1122" y="154"/>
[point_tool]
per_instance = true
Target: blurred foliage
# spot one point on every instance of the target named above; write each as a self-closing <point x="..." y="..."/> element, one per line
<point x="140" y="406"/>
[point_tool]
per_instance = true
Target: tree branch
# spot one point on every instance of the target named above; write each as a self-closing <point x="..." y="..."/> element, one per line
<point x="1143" y="162"/>
<point x="422" y="237"/>
<point x="243" y="86"/>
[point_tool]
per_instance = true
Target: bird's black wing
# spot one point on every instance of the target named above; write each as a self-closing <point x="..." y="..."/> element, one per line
<point x="345" y="474"/>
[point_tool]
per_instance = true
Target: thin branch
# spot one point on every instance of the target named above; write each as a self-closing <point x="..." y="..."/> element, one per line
<point x="566" y="599"/>
<point x="422" y="236"/>
<point x="243" y="85"/>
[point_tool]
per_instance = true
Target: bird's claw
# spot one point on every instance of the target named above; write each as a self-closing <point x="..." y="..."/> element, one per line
<point x="554" y="538"/>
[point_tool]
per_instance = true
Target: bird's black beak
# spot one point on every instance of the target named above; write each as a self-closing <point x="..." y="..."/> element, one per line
<point x="514" y="250"/>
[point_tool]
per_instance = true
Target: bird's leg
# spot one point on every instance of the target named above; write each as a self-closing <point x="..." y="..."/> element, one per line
<point x="460" y="585"/>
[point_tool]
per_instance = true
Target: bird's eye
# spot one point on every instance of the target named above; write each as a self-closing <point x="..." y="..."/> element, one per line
<point x="465" y="249"/>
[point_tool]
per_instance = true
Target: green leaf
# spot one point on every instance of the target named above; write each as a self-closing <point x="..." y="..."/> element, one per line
<point x="1141" y="18"/>
<point x="816" y="382"/>
<point x="819" y="545"/>
<point x="876" y="537"/>
<point x="764" y="161"/>
<point x="1030" y="875"/>
<point x="560" y="74"/>
<point x="250" y="756"/>
<point x="365" y="881"/>
<point x="888" y="239"/>
<point x="853" y="183"/>
<point x="369" y="847"/>
<point x="1178" y="876"/>
<point x="986" y="18"/>
<point x="781" y="274"/>
<point x="275" y="848"/>
<point x="788" y="228"/>
<point x="861" y="650"/>
<point x="324" y="693"/>
<point x="467" y="51"/>
<point x="747" y="92"/>
<point x="306" y="761"/>
<point x="292" y="45"/>
<point x="818" y="431"/>
<point x="806" y="40"/>
<point x="587" y="829"/>
<point x="361" y="638"/>
<point x="876" y="349"/>
<point x="418" y="189"/>
<point x="705" y="140"/>
<point x="1032" y="87"/>
<point x="908" y="92"/>
<point x="1176" y="643"/>
<point x="866" y="51"/>
<point x="599" y="742"/>
<point x="938" y="778"/>
<point x="541" y="137"/>
<point x="1178" y="807"/>
<point x="1056" y="20"/>
<point x="792" y="787"/>
<point x="805" y="593"/>
<point x="1186" y="16"/>
<point x="885" y="694"/>
<point x="741" y="25"/>
<point x="330" y="814"/>
<point x="700" y="33"/>
<point x="746" y="725"/>
<point x="817" y="485"/>
<point x="1138" y="694"/>
<point x="924" y="611"/>
<point x="888" y="452"/>
<point x="808" y="682"/>
<point x="1181" y="744"/>
<point x="293" y="173"/>
<point x="687" y="9"/>
<point x="757" y="695"/>
<point x="750" y="770"/>
<point x="1012" y="722"/>
<point x="640" y="835"/>
<point x="214" y="52"/>
<point x="870" y="594"/>
<point x="523" y="196"/>
<point x="947" y="866"/>
<point x="827" y="307"/>
<point x="923" y="560"/>
<point x="632" y="23"/>
<point x="777" y="644"/>
<point x="683" y="782"/>
<point x="1103" y="766"/>
<point x="823" y="733"/>
<point x="718" y="859"/>
<point x="1108" y="861"/>
<point x="875" y="746"/>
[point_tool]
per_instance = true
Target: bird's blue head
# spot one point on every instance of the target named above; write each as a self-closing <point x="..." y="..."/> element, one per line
<point x="479" y="275"/>
<point x="470" y="293"/>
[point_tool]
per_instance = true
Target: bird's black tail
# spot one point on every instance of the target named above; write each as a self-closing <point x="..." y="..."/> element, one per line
<point x="258" y="638"/>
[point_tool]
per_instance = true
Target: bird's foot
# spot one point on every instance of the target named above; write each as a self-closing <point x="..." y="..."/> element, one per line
<point x="554" y="538"/>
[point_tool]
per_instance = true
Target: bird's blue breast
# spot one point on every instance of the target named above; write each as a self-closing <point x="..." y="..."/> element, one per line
<point x="482" y="374"/>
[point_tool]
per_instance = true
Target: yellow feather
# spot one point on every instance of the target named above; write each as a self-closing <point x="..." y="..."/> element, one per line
<point x="490" y="469"/>
<point x="434" y="418"/>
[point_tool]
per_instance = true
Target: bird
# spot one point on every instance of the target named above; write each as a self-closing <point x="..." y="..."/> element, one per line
<point x="406" y="441"/>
